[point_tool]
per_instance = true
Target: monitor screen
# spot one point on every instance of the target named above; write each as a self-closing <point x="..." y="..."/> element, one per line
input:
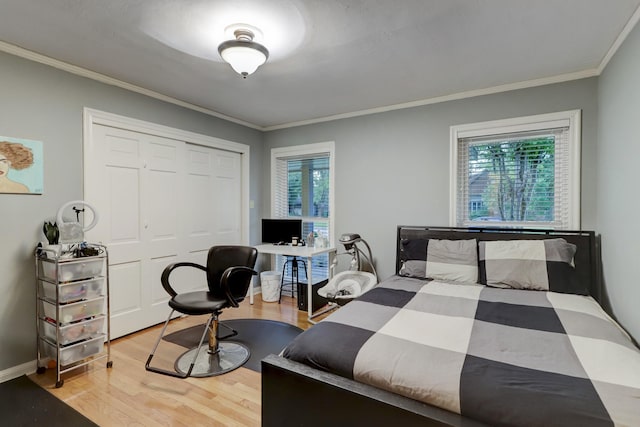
<point x="281" y="230"/>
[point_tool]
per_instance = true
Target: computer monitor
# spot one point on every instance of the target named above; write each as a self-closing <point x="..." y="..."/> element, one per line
<point x="281" y="230"/>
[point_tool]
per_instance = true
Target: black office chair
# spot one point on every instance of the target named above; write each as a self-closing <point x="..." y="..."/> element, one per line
<point x="229" y="270"/>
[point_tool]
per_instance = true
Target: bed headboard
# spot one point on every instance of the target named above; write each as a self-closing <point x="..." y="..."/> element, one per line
<point x="586" y="260"/>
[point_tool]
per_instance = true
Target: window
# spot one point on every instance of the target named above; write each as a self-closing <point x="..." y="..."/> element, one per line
<point x="522" y="172"/>
<point x="302" y="187"/>
<point x="476" y="206"/>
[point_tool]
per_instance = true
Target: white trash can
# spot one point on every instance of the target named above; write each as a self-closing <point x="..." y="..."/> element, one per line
<point x="270" y="282"/>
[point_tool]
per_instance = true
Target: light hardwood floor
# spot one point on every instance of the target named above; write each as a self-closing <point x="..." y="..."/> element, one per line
<point x="128" y="395"/>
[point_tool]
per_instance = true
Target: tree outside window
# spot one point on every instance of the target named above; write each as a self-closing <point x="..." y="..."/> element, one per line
<point x="516" y="180"/>
<point x="519" y="172"/>
<point x="304" y="192"/>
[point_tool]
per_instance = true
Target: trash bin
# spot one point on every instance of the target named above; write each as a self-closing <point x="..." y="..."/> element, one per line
<point x="271" y="283"/>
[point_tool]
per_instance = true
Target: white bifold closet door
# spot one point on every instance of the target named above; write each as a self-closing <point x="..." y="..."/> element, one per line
<point x="160" y="201"/>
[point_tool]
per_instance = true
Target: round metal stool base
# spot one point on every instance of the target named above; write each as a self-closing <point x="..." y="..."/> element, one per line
<point x="230" y="356"/>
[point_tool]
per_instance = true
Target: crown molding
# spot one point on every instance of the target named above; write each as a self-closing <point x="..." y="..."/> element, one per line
<point x="594" y="72"/>
<point x="102" y="78"/>
<point x="631" y="23"/>
<point x="453" y="97"/>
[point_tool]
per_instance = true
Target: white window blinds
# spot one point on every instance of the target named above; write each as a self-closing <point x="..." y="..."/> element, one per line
<point x="522" y="178"/>
<point x="302" y="190"/>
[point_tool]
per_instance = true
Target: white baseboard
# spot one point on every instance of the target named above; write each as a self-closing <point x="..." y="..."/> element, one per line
<point x="16" y="371"/>
<point x="30" y="367"/>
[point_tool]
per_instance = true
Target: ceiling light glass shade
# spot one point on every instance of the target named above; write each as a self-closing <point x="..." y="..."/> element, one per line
<point x="243" y="54"/>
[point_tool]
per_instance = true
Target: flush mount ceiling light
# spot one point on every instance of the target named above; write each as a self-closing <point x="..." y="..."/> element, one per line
<point x="243" y="54"/>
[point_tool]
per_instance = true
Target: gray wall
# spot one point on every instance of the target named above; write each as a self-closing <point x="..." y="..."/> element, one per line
<point x="618" y="179"/>
<point x="393" y="168"/>
<point x="45" y="104"/>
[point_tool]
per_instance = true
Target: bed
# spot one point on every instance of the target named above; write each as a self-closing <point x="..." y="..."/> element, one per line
<point x="530" y="345"/>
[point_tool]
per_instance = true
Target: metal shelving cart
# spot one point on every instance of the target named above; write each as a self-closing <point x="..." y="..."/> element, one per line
<point x="72" y="308"/>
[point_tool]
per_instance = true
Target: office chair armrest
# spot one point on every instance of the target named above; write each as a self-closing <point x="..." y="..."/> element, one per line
<point x="226" y="276"/>
<point x="169" y="269"/>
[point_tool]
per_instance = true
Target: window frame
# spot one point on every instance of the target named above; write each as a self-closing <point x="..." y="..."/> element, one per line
<point x="306" y="150"/>
<point x="571" y="118"/>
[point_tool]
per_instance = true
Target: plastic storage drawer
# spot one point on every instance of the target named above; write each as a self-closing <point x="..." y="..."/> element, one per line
<point x="77" y="269"/>
<point x="74" y="291"/>
<point x="75" y="331"/>
<point x="75" y="352"/>
<point x="74" y="311"/>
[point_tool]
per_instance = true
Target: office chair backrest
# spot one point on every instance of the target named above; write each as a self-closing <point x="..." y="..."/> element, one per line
<point x="222" y="257"/>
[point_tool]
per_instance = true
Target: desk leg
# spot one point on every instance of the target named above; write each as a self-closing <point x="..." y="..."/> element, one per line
<point x="309" y="289"/>
<point x="251" y="291"/>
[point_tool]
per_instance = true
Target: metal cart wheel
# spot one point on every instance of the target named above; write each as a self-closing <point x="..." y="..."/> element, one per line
<point x="59" y="383"/>
<point x="41" y="370"/>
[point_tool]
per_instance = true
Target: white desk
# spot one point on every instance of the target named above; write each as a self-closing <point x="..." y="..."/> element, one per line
<point x="307" y="252"/>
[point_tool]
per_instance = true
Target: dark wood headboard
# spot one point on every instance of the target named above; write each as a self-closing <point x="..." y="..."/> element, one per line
<point x="586" y="260"/>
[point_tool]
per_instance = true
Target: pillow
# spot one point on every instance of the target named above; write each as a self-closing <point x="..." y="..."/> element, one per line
<point x="452" y="260"/>
<point x="413" y="257"/>
<point x="413" y="249"/>
<point x="414" y="268"/>
<point x="545" y="265"/>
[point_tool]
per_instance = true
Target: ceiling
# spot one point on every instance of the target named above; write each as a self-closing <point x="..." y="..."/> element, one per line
<point x="328" y="58"/>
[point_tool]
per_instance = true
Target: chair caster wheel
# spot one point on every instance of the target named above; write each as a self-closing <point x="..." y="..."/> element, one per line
<point x="59" y="383"/>
<point x="40" y="370"/>
<point x="110" y="364"/>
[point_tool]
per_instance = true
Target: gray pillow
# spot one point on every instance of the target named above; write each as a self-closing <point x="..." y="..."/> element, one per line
<point x="413" y="249"/>
<point x="452" y="260"/>
<point x="414" y="268"/>
<point x="544" y="265"/>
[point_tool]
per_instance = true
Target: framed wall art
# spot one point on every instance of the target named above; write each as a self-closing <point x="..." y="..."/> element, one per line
<point x="21" y="166"/>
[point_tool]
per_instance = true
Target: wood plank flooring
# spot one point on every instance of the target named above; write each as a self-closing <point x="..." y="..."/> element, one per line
<point x="128" y="395"/>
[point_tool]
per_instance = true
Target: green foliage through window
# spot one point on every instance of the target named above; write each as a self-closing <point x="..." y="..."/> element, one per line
<point x="512" y="180"/>
<point x="308" y="187"/>
<point x="517" y="172"/>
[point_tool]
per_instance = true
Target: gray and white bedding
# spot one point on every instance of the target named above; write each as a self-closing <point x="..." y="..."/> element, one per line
<point x="501" y="356"/>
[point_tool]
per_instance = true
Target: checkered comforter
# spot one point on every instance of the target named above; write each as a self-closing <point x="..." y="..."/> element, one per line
<point x="504" y="357"/>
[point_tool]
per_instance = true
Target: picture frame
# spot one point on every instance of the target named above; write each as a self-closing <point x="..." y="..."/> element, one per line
<point x="21" y="166"/>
